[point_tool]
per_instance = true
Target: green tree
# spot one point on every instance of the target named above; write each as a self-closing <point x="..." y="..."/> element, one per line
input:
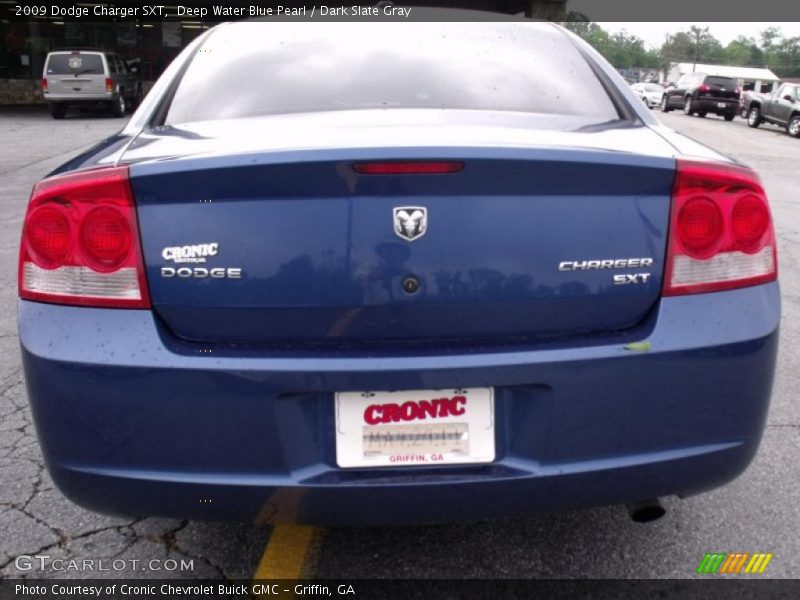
<point x="769" y="38"/>
<point x="626" y="51"/>
<point x="578" y="23"/>
<point x="744" y="51"/>
<point x="678" y="48"/>
<point x="621" y="49"/>
<point x="707" y="48"/>
<point x="784" y="58"/>
<point x="697" y="45"/>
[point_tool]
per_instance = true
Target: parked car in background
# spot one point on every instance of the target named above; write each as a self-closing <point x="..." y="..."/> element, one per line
<point x="746" y="99"/>
<point x="650" y="93"/>
<point x="700" y="94"/>
<point x="358" y="291"/>
<point x="89" y="77"/>
<point x="781" y="107"/>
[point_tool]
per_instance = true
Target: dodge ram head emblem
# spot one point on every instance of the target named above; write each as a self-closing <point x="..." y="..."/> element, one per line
<point x="410" y="222"/>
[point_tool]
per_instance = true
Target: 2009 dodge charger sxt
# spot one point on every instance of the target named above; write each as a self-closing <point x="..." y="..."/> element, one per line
<point x="395" y="272"/>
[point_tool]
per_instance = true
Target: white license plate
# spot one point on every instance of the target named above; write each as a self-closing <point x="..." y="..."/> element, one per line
<point x="414" y="428"/>
<point x="721" y="105"/>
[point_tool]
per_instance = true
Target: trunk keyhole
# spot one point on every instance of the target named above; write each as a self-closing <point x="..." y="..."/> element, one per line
<point x="410" y="285"/>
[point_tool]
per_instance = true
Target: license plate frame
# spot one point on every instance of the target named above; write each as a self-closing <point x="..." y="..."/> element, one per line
<point x="408" y="428"/>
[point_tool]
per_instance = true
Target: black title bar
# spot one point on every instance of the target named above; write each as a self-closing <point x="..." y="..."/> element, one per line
<point x="402" y="10"/>
<point x="709" y="587"/>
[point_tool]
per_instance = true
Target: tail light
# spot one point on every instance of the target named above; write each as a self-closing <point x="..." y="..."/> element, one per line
<point x="80" y="242"/>
<point x="721" y="234"/>
<point x="44" y="84"/>
<point x="703" y="88"/>
<point x="109" y="84"/>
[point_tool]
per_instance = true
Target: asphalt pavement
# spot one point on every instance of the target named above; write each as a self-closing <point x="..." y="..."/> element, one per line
<point x="759" y="512"/>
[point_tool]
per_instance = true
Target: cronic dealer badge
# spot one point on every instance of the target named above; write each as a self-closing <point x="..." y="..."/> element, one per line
<point x="410" y="222"/>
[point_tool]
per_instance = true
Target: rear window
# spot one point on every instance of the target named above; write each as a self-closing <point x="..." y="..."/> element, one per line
<point x="77" y="63"/>
<point x="250" y="69"/>
<point x="721" y="81"/>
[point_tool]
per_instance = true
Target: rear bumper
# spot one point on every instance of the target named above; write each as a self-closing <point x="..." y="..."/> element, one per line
<point x="133" y="421"/>
<point x="652" y="102"/>
<point x="719" y="107"/>
<point x="79" y="98"/>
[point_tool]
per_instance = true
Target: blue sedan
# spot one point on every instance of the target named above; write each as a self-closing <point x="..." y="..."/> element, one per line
<point x="395" y="273"/>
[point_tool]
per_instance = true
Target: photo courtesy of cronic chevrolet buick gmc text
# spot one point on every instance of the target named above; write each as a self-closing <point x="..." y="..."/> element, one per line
<point x="700" y="94"/>
<point x="410" y="272"/>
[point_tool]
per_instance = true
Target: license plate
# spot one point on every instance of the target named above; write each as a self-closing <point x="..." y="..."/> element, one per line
<point x="415" y="428"/>
<point x="721" y="105"/>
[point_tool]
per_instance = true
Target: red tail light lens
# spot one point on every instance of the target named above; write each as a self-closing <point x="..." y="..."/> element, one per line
<point x="721" y="234"/>
<point x="109" y="84"/>
<point x="80" y="242"/>
<point x="49" y="236"/>
<point x="44" y="85"/>
<point x="699" y="226"/>
<point x="750" y="220"/>
<point x="703" y="88"/>
<point x="105" y="238"/>
<point x="408" y="168"/>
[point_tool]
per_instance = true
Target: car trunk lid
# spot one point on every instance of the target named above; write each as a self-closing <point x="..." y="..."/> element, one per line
<point x="537" y="233"/>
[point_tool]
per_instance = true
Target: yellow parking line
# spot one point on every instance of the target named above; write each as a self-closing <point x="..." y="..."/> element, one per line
<point x="286" y="553"/>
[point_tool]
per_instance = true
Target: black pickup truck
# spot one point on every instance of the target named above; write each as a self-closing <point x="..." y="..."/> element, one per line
<point x="781" y="107"/>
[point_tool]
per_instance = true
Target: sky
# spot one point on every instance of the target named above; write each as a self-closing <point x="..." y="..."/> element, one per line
<point x="653" y="34"/>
